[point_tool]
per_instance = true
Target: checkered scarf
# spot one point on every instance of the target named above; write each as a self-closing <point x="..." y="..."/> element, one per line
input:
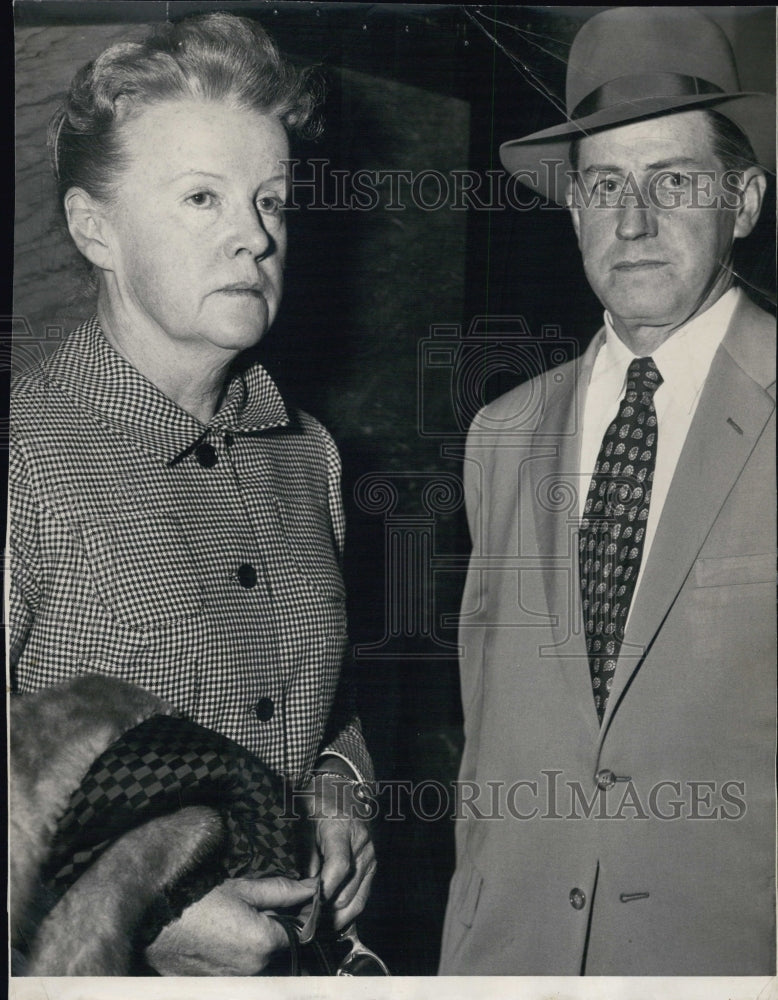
<point x="164" y="764"/>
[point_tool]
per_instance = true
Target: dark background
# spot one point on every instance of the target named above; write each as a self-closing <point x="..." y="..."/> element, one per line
<point x="411" y="87"/>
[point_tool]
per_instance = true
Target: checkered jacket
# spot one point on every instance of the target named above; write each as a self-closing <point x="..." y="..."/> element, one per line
<point x="201" y="563"/>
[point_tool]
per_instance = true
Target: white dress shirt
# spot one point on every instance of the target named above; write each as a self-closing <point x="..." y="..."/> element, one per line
<point x="683" y="360"/>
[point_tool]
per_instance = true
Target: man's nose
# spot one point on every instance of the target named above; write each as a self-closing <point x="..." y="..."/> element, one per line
<point x="636" y="220"/>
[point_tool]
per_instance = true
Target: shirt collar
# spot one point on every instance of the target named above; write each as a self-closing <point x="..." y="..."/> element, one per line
<point x="92" y="373"/>
<point x="683" y="360"/>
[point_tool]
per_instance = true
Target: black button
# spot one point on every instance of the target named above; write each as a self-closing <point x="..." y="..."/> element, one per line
<point x="206" y="455"/>
<point x="605" y="778"/>
<point x="229" y="440"/>
<point x="577" y="899"/>
<point x="247" y="576"/>
<point x="264" y="709"/>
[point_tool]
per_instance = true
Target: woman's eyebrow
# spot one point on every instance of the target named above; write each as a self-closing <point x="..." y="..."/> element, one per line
<point x="194" y="172"/>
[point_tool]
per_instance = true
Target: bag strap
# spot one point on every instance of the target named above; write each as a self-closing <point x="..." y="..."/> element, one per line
<point x="314" y="958"/>
<point x="290" y="926"/>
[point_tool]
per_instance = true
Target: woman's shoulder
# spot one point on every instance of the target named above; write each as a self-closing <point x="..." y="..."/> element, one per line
<point x="302" y="448"/>
<point x="308" y="424"/>
<point x="316" y="434"/>
<point x="29" y="391"/>
<point x="68" y="356"/>
<point x="37" y="398"/>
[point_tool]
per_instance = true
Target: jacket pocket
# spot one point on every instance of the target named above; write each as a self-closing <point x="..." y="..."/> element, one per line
<point x="142" y="571"/>
<point x="734" y="570"/>
<point x="308" y="534"/>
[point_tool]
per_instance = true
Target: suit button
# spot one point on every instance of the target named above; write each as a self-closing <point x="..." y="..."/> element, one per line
<point x="605" y="778"/>
<point x="206" y="455"/>
<point x="264" y="709"/>
<point x="577" y="899"/>
<point x="247" y="576"/>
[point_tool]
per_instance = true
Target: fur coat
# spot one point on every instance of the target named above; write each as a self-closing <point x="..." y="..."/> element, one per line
<point x="91" y="930"/>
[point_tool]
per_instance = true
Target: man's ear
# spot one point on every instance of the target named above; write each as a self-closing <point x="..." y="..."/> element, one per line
<point x="89" y="228"/>
<point x="754" y="185"/>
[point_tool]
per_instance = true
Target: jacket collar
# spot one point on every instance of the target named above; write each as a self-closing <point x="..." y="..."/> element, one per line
<point x="100" y="380"/>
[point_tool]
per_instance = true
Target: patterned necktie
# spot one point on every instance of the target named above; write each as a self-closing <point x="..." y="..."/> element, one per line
<point x="613" y="527"/>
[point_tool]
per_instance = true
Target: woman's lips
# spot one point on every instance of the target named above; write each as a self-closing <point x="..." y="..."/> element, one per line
<point x="242" y="290"/>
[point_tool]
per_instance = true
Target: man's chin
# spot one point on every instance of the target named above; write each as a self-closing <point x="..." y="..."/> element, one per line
<point x="647" y="308"/>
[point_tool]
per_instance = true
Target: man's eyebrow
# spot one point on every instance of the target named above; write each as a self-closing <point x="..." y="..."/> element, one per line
<point x="669" y="163"/>
<point x="675" y="161"/>
<point x="604" y="168"/>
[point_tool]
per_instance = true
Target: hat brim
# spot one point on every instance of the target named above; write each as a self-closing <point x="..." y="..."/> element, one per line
<point x="541" y="160"/>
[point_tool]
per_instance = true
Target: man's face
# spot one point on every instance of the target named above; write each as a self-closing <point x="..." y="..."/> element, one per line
<point x="657" y="229"/>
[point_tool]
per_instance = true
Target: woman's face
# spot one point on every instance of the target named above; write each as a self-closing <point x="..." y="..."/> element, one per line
<point x="197" y="231"/>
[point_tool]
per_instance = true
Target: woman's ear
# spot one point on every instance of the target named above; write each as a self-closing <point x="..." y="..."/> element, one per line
<point x="88" y="225"/>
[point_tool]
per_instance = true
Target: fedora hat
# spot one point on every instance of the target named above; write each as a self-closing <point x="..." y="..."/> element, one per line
<point x="630" y="63"/>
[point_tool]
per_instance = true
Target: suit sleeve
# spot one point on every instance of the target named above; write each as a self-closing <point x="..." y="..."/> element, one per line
<point x="472" y="627"/>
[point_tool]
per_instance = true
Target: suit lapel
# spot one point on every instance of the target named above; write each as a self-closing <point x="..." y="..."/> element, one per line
<point x="731" y="414"/>
<point x="555" y="484"/>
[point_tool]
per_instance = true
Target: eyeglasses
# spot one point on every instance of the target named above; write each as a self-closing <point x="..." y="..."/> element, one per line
<point x="360" y="961"/>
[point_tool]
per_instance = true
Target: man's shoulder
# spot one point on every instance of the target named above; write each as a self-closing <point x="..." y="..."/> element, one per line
<point x="750" y="341"/>
<point x="513" y="409"/>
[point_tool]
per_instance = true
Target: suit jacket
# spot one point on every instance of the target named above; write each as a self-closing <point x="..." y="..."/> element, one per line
<point x="645" y="846"/>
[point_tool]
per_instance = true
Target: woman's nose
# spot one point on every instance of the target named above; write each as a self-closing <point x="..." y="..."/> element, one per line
<point x="248" y="234"/>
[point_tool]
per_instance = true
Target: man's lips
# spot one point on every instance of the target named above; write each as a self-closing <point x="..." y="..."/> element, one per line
<point x="636" y="265"/>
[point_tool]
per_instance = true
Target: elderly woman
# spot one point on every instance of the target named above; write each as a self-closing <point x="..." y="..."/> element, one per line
<point x="173" y="523"/>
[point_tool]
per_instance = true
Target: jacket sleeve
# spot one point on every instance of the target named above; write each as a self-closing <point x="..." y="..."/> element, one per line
<point x="23" y="568"/>
<point x="343" y="736"/>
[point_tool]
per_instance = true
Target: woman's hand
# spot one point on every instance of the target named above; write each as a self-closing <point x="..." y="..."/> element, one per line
<point x="226" y="933"/>
<point x="344" y="855"/>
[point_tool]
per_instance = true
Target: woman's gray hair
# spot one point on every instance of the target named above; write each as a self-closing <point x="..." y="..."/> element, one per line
<point x="214" y="57"/>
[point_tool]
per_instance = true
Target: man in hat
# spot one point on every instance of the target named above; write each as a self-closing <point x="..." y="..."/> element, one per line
<point x="617" y="789"/>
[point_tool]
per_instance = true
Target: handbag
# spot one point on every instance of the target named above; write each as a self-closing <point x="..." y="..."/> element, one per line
<point x="332" y="954"/>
